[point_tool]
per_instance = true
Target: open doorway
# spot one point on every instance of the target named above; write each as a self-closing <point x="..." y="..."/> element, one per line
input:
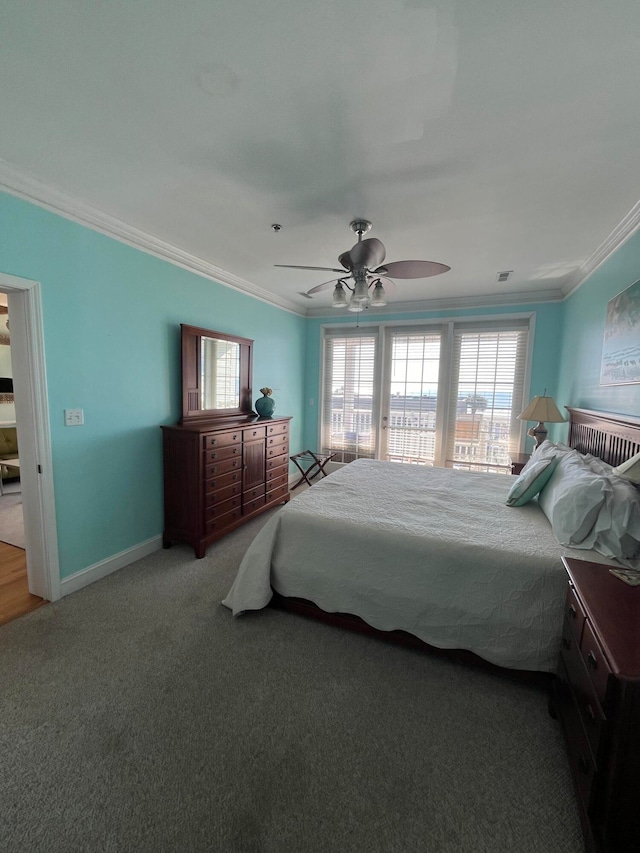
<point x="15" y="598"/>
<point x="29" y="573"/>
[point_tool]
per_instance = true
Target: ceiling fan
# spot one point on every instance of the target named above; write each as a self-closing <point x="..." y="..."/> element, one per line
<point x="364" y="274"/>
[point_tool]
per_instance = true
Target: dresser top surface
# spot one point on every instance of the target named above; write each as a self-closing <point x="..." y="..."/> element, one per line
<point x="613" y="607"/>
<point x="211" y="425"/>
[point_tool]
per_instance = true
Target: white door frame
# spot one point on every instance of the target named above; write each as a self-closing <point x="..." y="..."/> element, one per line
<point x="34" y="436"/>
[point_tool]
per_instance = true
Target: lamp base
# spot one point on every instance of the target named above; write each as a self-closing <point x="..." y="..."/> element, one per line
<point x="539" y="432"/>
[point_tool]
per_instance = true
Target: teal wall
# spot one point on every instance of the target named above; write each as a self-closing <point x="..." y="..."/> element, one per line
<point x="112" y="319"/>
<point x="583" y="332"/>
<point x="546" y="350"/>
<point x="111" y="324"/>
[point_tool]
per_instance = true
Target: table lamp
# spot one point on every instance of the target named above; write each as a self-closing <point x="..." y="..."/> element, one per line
<point x="541" y="409"/>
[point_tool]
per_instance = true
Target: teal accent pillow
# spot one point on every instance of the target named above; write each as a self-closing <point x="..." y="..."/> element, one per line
<point x="531" y="482"/>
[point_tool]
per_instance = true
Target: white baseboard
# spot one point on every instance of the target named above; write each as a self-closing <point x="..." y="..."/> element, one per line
<point x="106" y="567"/>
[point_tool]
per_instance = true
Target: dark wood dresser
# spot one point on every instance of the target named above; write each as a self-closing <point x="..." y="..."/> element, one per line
<point x="598" y="703"/>
<point x="218" y="475"/>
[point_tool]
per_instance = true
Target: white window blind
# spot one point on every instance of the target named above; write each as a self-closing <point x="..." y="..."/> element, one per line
<point x="348" y="424"/>
<point x="413" y="396"/>
<point x="487" y="383"/>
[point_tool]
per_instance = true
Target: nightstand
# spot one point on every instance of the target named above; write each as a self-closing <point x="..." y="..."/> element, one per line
<point x="518" y="461"/>
<point x="597" y="700"/>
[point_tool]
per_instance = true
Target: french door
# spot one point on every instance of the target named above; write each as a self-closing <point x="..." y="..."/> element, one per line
<point x="445" y="395"/>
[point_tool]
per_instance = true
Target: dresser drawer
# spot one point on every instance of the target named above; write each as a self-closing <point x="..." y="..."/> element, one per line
<point x="277" y="460"/>
<point x="228" y="451"/>
<point x="251" y="494"/>
<point x="278" y="429"/>
<point x="596" y="663"/>
<point x="277" y="450"/>
<point x="222" y="508"/>
<point x="256" y="503"/>
<point x="574" y="613"/>
<point x="222" y="481"/>
<point x="223" y="466"/>
<point x="254" y="433"/>
<point x="580" y="758"/>
<point x="589" y="709"/>
<point x="220" y="495"/>
<point x="221" y="439"/>
<point x="221" y="523"/>
<point x="280" y="492"/>
<point x="277" y="478"/>
<point x="281" y="441"/>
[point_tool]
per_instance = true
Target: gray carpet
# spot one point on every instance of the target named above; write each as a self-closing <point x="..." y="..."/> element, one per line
<point x="139" y="715"/>
<point x="11" y="519"/>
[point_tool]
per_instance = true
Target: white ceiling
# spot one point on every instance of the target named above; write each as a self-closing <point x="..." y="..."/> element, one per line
<point x="493" y="135"/>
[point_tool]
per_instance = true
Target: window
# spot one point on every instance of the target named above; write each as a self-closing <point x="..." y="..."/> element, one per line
<point x="348" y="423"/>
<point x="488" y="372"/>
<point x="446" y="395"/>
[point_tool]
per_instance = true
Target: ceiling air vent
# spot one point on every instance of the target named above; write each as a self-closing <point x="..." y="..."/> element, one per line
<point x="505" y="275"/>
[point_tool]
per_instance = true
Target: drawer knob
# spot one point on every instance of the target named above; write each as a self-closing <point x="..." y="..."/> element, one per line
<point x="592" y="660"/>
<point x="573" y="611"/>
<point x="591" y="713"/>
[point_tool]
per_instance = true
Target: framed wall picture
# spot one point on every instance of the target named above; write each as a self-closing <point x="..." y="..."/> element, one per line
<point x="621" y="346"/>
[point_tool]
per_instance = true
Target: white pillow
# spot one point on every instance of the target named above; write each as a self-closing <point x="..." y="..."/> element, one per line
<point x="531" y="481"/>
<point x="572" y="498"/>
<point x="616" y="532"/>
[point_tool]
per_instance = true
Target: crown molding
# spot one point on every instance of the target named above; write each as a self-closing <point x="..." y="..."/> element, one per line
<point x="527" y="297"/>
<point x="625" y="229"/>
<point x="34" y="190"/>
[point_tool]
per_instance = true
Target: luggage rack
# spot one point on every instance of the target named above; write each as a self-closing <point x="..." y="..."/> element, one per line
<point x="310" y="464"/>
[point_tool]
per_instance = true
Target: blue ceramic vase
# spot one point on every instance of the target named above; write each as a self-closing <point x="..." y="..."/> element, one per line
<point x="265" y="405"/>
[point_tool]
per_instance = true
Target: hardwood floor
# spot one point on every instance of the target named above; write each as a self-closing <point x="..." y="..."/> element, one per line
<point x="15" y="598"/>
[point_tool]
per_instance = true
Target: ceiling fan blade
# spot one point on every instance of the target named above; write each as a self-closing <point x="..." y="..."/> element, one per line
<point x="345" y="260"/>
<point x="367" y="253"/>
<point x="324" y="285"/>
<point x="296" y="267"/>
<point x="412" y="269"/>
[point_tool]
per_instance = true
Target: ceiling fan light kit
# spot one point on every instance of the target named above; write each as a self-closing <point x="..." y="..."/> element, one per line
<point x="364" y="265"/>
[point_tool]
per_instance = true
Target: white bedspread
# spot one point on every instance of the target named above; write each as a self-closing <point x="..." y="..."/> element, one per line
<point x="430" y="551"/>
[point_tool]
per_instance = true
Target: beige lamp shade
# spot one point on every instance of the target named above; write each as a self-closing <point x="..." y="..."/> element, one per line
<point x="630" y="469"/>
<point x="542" y="409"/>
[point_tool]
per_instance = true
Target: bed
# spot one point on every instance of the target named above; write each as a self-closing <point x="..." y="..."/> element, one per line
<point x="432" y="556"/>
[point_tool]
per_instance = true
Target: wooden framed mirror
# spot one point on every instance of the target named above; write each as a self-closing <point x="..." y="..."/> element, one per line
<point x="216" y="374"/>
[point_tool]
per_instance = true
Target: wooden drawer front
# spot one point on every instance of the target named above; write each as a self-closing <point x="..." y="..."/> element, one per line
<point x="591" y="716"/>
<point x="279" y="479"/>
<point x="597" y="665"/>
<point x="580" y="759"/>
<point x="280" y="492"/>
<point x="221" y="495"/>
<point x="222" y="439"/>
<point x="250" y="494"/>
<point x="281" y="441"/>
<point x="221" y="523"/>
<point x="222" y="481"/>
<point x="274" y="462"/>
<point x="277" y="450"/>
<point x="256" y="503"/>
<point x="222" y="508"/>
<point x="278" y="429"/>
<point x="574" y="613"/>
<point x="224" y="452"/>
<point x="254" y="433"/>
<point x="215" y="469"/>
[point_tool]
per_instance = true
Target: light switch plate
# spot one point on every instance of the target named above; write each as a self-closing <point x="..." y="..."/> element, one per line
<point x="73" y="417"/>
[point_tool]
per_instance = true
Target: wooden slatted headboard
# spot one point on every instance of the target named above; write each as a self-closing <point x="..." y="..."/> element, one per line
<point x="612" y="438"/>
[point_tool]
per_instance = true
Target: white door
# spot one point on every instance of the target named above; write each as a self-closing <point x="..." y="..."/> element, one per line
<point x="34" y="440"/>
